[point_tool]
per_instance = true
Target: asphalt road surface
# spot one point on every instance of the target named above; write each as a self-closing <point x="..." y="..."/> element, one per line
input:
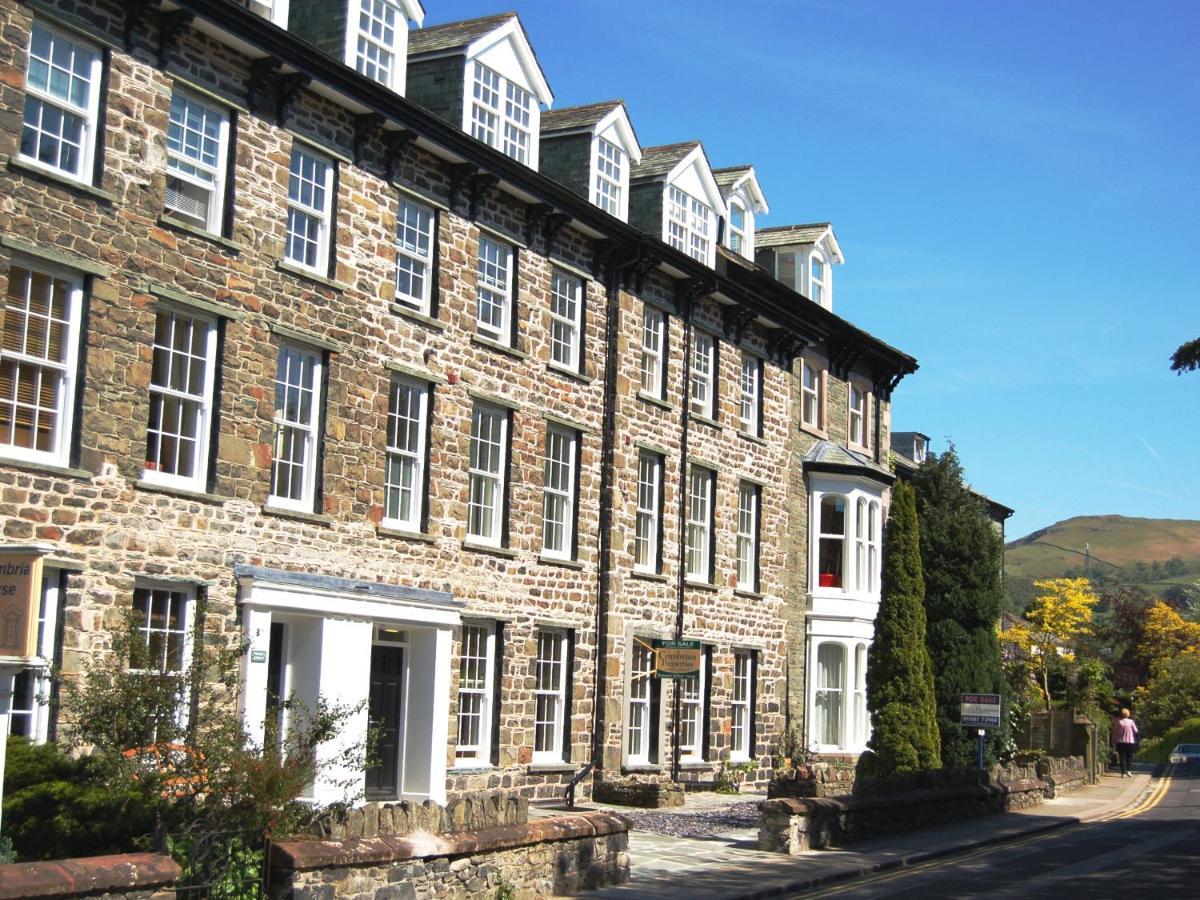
<point x="1149" y="851"/>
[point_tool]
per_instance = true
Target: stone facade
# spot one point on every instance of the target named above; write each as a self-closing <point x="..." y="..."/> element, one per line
<point x="109" y="530"/>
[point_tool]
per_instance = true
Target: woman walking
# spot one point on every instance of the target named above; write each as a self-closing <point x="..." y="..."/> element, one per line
<point x="1124" y="738"/>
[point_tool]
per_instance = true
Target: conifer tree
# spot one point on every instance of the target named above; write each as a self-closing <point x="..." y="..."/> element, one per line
<point x="900" y="697"/>
<point x="960" y="553"/>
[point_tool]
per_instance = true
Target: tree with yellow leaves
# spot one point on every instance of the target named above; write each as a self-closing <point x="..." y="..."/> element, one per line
<point x="1060" y="614"/>
<point x="1165" y="636"/>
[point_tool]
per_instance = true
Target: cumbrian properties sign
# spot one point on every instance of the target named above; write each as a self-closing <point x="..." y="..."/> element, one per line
<point x="980" y="710"/>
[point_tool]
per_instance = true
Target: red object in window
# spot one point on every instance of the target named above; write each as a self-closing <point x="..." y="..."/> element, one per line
<point x="829" y="579"/>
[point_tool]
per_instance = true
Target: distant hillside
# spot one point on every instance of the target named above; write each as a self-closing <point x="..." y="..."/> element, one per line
<point x="1120" y="540"/>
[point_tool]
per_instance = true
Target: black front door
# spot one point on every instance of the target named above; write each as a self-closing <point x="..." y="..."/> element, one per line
<point x="384" y="709"/>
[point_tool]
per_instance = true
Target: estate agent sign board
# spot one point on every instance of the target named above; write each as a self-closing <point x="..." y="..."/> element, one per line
<point x="980" y="710"/>
<point x="677" y="659"/>
<point x="20" y="597"/>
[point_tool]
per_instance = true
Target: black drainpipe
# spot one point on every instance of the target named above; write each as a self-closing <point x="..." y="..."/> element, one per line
<point x="612" y="320"/>
<point x="685" y="309"/>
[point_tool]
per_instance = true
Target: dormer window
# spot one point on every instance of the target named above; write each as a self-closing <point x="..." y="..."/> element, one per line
<point x="737" y="227"/>
<point x="487" y="118"/>
<point x="920" y="449"/>
<point x="610" y="162"/>
<point x="374" y="39"/>
<point x="688" y="224"/>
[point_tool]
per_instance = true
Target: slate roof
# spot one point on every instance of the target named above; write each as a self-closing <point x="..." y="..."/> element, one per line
<point x="453" y="35"/>
<point x="658" y="161"/>
<point x="729" y="176"/>
<point x="826" y="454"/>
<point x="570" y="118"/>
<point x="786" y="235"/>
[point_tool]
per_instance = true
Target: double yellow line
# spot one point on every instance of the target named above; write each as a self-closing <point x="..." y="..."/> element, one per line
<point x="1152" y="800"/>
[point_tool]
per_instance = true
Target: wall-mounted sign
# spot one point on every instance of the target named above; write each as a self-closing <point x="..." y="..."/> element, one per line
<point x="677" y="659"/>
<point x="258" y="656"/>
<point x="20" y="599"/>
<point x="980" y="710"/>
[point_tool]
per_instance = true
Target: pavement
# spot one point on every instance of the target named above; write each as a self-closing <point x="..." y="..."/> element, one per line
<point x="709" y="848"/>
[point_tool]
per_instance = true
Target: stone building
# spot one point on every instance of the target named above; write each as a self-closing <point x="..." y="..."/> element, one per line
<point x="326" y="334"/>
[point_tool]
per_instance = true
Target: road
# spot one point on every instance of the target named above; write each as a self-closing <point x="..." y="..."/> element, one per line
<point x="1150" y="851"/>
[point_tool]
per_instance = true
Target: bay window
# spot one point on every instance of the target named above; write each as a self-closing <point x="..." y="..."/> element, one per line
<point x="831" y="685"/>
<point x="831" y="552"/>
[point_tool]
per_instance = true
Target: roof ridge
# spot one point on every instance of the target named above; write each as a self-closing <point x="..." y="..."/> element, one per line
<point x="475" y="21"/>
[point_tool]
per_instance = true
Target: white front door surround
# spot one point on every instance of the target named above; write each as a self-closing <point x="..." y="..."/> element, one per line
<point x="329" y="627"/>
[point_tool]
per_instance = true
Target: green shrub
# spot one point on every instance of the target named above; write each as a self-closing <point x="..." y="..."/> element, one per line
<point x="57" y="806"/>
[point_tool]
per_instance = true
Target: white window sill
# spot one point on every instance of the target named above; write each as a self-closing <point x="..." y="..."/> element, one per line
<point x="471" y="767"/>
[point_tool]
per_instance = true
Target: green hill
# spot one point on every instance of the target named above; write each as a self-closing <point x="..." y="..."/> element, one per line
<point x="1150" y="551"/>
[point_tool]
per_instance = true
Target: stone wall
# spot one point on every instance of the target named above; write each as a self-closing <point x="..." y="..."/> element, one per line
<point x="474" y="812"/>
<point x="812" y="780"/>
<point x="548" y="856"/>
<point x="791" y="825"/>
<point x="1063" y="774"/>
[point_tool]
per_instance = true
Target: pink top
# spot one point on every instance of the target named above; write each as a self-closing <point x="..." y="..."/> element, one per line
<point x="1125" y="732"/>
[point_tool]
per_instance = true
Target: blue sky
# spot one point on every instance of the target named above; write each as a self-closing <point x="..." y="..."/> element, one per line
<point x="1016" y="187"/>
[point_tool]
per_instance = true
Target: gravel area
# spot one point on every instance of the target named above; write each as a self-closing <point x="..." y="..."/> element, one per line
<point x="702" y="823"/>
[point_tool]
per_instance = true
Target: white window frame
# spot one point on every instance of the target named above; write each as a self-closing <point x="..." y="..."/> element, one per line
<point x="611" y="165"/>
<point x="566" y="321"/>
<point x="693" y="699"/>
<point x="649" y="506"/>
<point x="502" y="114"/>
<point x="741" y="703"/>
<point x="477" y="656"/>
<point x="703" y="382"/>
<point x="749" y="503"/>
<point x="688" y="224"/>
<point x="861" y="723"/>
<point x="485" y="522"/>
<point x="91" y="72"/>
<point x="161" y="395"/>
<point x="813" y="394"/>
<point x="836" y="692"/>
<point x="65" y="370"/>
<point x="860" y="544"/>
<point x="559" y="500"/>
<point x="173" y="594"/>
<point x="406" y="456"/>
<point x="639" y="705"/>
<point x="306" y="428"/>
<point x="415" y="225"/>
<point x="550" y="696"/>
<point x="191" y="168"/>
<point x="38" y="672"/>
<point x="824" y="534"/>
<point x="736" y="237"/>
<point x="654" y="335"/>
<point x="818" y="284"/>
<point x="751" y="383"/>
<point x="373" y="38"/>
<point x="856" y="424"/>
<point x="699" y="544"/>
<point x="494" y="289"/>
<point x="874" y="548"/>
<point x="309" y="173"/>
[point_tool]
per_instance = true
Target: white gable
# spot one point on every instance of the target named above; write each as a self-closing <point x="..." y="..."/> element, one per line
<point x="507" y="52"/>
<point x="616" y="128"/>
<point x="693" y="176"/>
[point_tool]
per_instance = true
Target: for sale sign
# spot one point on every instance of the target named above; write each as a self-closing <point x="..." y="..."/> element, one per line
<point x="20" y="596"/>
<point x="980" y="710"/>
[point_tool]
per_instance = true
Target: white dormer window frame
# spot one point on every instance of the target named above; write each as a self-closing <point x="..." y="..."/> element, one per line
<point x="376" y="41"/>
<point x="687" y="225"/>
<point x="820" y="281"/>
<point x="610" y="180"/>
<point x="736" y="232"/>
<point x="502" y="114"/>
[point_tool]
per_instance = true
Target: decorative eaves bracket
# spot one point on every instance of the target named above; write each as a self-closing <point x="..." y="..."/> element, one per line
<point x="688" y="291"/>
<point x="546" y="218"/>
<point x="263" y="73"/>
<point x="170" y="24"/>
<point x="609" y="257"/>
<point x="396" y="142"/>
<point x="735" y="319"/>
<point x="289" y="87"/>
<point x="785" y="346"/>
<point x="886" y="383"/>
<point x="843" y="357"/>
<point x="476" y="182"/>
<point x="135" y="11"/>
<point x="366" y="127"/>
